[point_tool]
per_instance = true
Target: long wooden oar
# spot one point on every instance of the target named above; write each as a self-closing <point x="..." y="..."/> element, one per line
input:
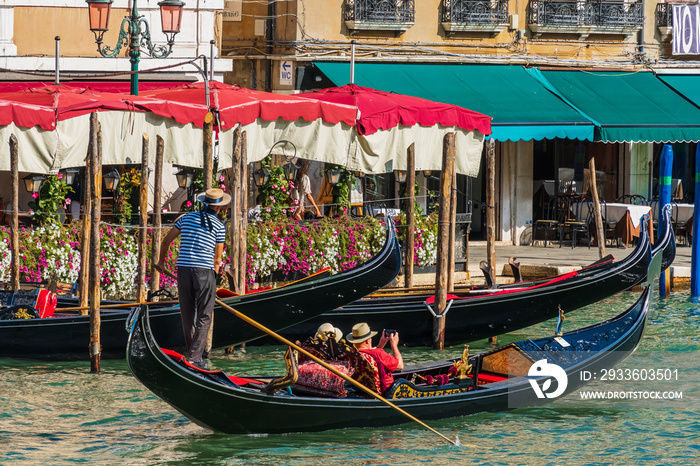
<point x="329" y="367"/>
<point x="115" y="306"/>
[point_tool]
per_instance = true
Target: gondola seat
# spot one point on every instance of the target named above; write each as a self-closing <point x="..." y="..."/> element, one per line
<point x="316" y="379"/>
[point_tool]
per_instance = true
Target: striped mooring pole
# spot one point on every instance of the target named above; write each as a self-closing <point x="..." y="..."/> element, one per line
<point x="665" y="175"/>
<point x="694" y="282"/>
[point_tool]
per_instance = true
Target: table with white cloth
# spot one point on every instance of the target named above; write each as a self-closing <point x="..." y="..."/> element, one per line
<point x="684" y="220"/>
<point x="684" y="212"/>
<point x="627" y="217"/>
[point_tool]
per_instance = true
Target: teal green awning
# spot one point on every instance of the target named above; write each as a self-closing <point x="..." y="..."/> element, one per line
<point x="686" y="84"/>
<point x="521" y="108"/>
<point x="626" y="106"/>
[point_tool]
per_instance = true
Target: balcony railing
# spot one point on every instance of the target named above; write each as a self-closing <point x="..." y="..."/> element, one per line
<point x="474" y="15"/>
<point x="585" y="17"/>
<point x="381" y="15"/>
<point x="664" y="19"/>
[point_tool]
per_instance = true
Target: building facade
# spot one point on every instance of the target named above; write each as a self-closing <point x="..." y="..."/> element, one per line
<point x="28" y="29"/>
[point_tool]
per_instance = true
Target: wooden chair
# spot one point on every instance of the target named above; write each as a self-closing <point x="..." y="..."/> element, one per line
<point x="609" y="225"/>
<point x="550" y="222"/>
<point x="633" y="199"/>
<point x="579" y="208"/>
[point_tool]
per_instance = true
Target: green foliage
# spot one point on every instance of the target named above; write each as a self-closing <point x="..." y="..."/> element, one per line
<point x="341" y="191"/>
<point x="274" y="197"/>
<point x="52" y="196"/>
<point x="127" y="198"/>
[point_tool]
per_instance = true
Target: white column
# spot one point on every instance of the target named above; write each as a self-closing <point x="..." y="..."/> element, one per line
<point x="7" y="21"/>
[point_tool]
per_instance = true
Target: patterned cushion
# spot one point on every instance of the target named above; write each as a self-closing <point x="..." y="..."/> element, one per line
<point x="367" y="373"/>
<point x="323" y="381"/>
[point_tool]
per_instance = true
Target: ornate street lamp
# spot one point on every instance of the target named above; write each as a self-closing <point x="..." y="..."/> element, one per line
<point x="33" y="183"/>
<point x="334" y="175"/>
<point x="290" y="169"/>
<point x="184" y="178"/>
<point x="69" y="175"/>
<point x="135" y="32"/>
<point x="111" y="180"/>
<point x="400" y="175"/>
<point x="261" y="176"/>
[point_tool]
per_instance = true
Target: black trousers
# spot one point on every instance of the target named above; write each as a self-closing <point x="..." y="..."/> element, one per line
<point x="197" y="292"/>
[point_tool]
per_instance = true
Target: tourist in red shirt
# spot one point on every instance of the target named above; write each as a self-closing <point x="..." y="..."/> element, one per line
<point x="361" y="338"/>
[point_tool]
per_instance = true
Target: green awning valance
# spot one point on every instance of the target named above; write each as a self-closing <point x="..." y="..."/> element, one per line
<point x="626" y="106"/>
<point x="521" y="108"/>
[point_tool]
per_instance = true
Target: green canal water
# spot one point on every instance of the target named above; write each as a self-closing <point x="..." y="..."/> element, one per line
<point x="59" y="413"/>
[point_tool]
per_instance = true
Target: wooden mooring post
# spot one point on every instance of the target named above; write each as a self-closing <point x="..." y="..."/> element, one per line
<point x="157" y="217"/>
<point x="600" y="231"/>
<point x="207" y="152"/>
<point x="234" y="210"/>
<point x="14" y="222"/>
<point x="95" y="276"/>
<point x="453" y="233"/>
<point x="243" y="216"/>
<point x="143" y="223"/>
<point x="446" y="177"/>
<point x="410" y="215"/>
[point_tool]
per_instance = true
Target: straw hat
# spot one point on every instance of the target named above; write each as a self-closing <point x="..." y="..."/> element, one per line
<point x="214" y="196"/>
<point x="360" y="333"/>
<point x="327" y="328"/>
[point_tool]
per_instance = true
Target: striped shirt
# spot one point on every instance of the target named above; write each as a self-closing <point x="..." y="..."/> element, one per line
<point x="197" y="243"/>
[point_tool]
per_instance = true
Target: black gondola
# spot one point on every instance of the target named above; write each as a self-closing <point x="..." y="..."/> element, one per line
<point x="238" y="405"/>
<point x="66" y="337"/>
<point x="483" y="313"/>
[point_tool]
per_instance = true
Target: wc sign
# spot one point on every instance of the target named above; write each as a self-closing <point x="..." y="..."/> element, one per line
<point x="286" y="73"/>
<point x="686" y="30"/>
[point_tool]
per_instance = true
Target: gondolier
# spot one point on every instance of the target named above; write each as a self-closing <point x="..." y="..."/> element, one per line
<point x="201" y="247"/>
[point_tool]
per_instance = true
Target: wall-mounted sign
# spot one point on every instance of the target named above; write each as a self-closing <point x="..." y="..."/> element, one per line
<point x="686" y="30"/>
<point x="286" y="73"/>
<point x="233" y="10"/>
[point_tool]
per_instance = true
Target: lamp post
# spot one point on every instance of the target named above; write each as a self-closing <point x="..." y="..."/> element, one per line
<point x="290" y="170"/>
<point x="111" y="180"/>
<point x="400" y="175"/>
<point x="32" y="183"/>
<point x="135" y="32"/>
<point x="334" y="175"/>
<point x="261" y="176"/>
<point x="184" y="180"/>
<point x="69" y="175"/>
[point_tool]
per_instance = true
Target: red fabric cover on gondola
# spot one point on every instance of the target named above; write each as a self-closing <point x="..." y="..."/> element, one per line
<point x="381" y="110"/>
<point x="240" y="105"/>
<point x="179" y="358"/>
<point x="490" y="378"/>
<point x="317" y="377"/>
<point x="46" y="303"/>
